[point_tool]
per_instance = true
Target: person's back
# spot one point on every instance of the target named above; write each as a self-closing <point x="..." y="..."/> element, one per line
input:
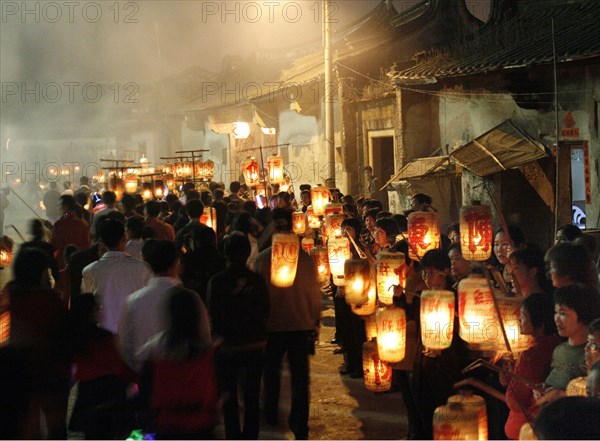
<point x="69" y="229"/>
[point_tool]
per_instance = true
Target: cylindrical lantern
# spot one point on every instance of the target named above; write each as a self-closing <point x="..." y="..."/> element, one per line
<point x="178" y="169"/>
<point x="391" y="334"/>
<point x="209" y="218"/>
<point x="308" y="243"/>
<point x="454" y="422"/>
<point x="319" y="255"/>
<point x="476" y="404"/>
<point x="170" y="181"/>
<point x="390" y="271"/>
<point x="6" y="251"/>
<point x="250" y="171"/>
<point x="333" y="224"/>
<point x="510" y="310"/>
<point x="377" y="373"/>
<point x="147" y="191"/>
<point x="357" y="273"/>
<point x="284" y="259"/>
<point x="298" y="222"/>
<point x="334" y="207"/>
<point x="159" y="189"/>
<point x="338" y="251"/>
<point x="476" y="233"/>
<point x="371" y="326"/>
<point x="477" y="315"/>
<point x="319" y="197"/>
<point x="208" y="169"/>
<point x="168" y="168"/>
<point x="312" y="219"/>
<point x="577" y="387"/>
<point x="275" y="168"/>
<point x="186" y="170"/>
<point x="437" y="318"/>
<point x="369" y="307"/>
<point x="527" y="433"/>
<point x="423" y="233"/>
<point x="131" y="183"/>
<point x="199" y="169"/>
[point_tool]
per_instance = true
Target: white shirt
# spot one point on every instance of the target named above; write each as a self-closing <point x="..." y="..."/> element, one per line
<point x="111" y="279"/>
<point x="142" y="316"/>
<point x="134" y="248"/>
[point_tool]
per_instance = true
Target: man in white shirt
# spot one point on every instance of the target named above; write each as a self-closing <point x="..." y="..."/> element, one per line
<point x="116" y="275"/>
<point x="134" y="228"/>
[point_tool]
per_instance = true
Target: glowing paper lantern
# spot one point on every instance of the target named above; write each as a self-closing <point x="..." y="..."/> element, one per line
<point x="4" y="320"/>
<point x="474" y="403"/>
<point x="299" y="222"/>
<point x="437" y="318"/>
<point x="476" y="233"/>
<point x="390" y="271"/>
<point x="577" y="387"/>
<point x="284" y="259"/>
<point x="208" y="170"/>
<point x="147" y="191"/>
<point x="510" y="310"/>
<point x="423" y="233"/>
<point x="526" y="432"/>
<point x="261" y="189"/>
<point x="319" y="197"/>
<point x="240" y="130"/>
<point x="313" y="220"/>
<point x="178" y="169"/>
<point x="251" y="172"/>
<point x="170" y="181"/>
<point x="159" y="189"/>
<point x="321" y="260"/>
<point x="338" y="251"/>
<point x="6" y="251"/>
<point x="391" y="334"/>
<point x="477" y="316"/>
<point x="369" y="307"/>
<point x="187" y="169"/>
<point x="168" y="168"/>
<point x="275" y="169"/>
<point x="308" y="243"/>
<point x="209" y="218"/>
<point x="131" y="184"/>
<point x="333" y="225"/>
<point x="371" y="326"/>
<point x="357" y="273"/>
<point x="377" y="373"/>
<point x="454" y="422"/>
<point x="334" y="207"/>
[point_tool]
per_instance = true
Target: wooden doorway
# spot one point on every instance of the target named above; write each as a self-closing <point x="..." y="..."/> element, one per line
<point x="381" y="158"/>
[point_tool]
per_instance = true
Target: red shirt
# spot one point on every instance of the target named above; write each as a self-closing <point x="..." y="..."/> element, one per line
<point x="162" y="230"/>
<point x="70" y="229"/>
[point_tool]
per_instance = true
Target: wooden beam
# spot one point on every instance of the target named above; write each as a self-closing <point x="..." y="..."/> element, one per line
<point x="535" y="175"/>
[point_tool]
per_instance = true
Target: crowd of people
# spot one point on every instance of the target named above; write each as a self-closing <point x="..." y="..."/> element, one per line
<point x="161" y="321"/>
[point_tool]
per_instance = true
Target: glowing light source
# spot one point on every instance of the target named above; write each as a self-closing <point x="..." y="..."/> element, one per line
<point x="251" y="172"/>
<point x="209" y="218"/>
<point x="391" y="334"/>
<point x="390" y="271"/>
<point x="319" y="196"/>
<point x="131" y="183"/>
<point x="275" y="169"/>
<point x="476" y="234"/>
<point x="478" y="322"/>
<point x="339" y="251"/>
<point x="476" y="404"/>
<point x="357" y="273"/>
<point x="299" y="222"/>
<point x="423" y="233"/>
<point x="377" y="373"/>
<point x="319" y="256"/>
<point x="437" y="318"/>
<point x="240" y="130"/>
<point x="284" y="259"/>
<point x="455" y="421"/>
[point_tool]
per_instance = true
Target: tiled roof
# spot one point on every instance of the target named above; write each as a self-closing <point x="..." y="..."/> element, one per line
<point x="522" y="40"/>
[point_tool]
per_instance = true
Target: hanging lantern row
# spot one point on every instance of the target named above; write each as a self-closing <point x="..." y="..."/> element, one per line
<point x="423" y="233"/>
<point x="204" y="170"/>
<point x="284" y="259"/>
<point x="476" y="232"/>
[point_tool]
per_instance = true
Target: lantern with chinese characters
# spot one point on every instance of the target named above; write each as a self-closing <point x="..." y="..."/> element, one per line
<point x="159" y="189"/>
<point x="333" y="224"/>
<point x="209" y="218"/>
<point x="284" y="259"/>
<point x="6" y="251"/>
<point x="357" y="273"/>
<point x="334" y="207"/>
<point x="577" y="387"/>
<point x="313" y="220"/>
<point x="423" y="233"/>
<point x="178" y="169"/>
<point x="208" y="170"/>
<point x="476" y="234"/>
<point x="377" y="373"/>
<point x="319" y="197"/>
<point x="476" y="404"/>
<point x="298" y="222"/>
<point x="131" y="183"/>
<point x="455" y="422"/>
<point x="275" y="169"/>
<point x="510" y="310"/>
<point x="476" y="311"/>
<point x="170" y="181"/>
<point x="250" y="171"/>
<point x="391" y="333"/>
<point x="308" y="243"/>
<point x="437" y="318"/>
<point x="321" y="260"/>
<point x="371" y="326"/>
<point x="338" y="251"/>
<point x="390" y="271"/>
<point x="187" y="170"/>
<point x="369" y="307"/>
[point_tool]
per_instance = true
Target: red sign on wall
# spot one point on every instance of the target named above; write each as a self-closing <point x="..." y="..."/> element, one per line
<point x="569" y="127"/>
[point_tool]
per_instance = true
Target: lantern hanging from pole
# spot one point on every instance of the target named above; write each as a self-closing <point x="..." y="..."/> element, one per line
<point x="334" y="207"/>
<point x="208" y="170"/>
<point x="423" y="233"/>
<point x="369" y="307"/>
<point x="476" y="404"/>
<point x="284" y="259"/>
<point x="187" y="170"/>
<point x="168" y="168"/>
<point x="251" y="171"/>
<point x="6" y="251"/>
<point x="477" y="315"/>
<point x="476" y="233"/>
<point x="321" y="260"/>
<point x="391" y="268"/>
<point x="308" y="243"/>
<point x="275" y="169"/>
<point x="510" y="311"/>
<point x="391" y="334"/>
<point x="313" y="220"/>
<point x="437" y="318"/>
<point x="299" y="222"/>
<point x="577" y="387"/>
<point x="170" y="181"/>
<point x="454" y="422"/>
<point x="159" y="189"/>
<point x="147" y="191"/>
<point x="338" y="251"/>
<point x="333" y="225"/>
<point x="319" y="197"/>
<point x="209" y="218"/>
<point x="357" y="273"/>
<point x="370" y="326"/>
<point x="377" y="373"/>
<point x="199" y="170"/>
<point x="131" y="183"/>
<point x="178" y="169"/>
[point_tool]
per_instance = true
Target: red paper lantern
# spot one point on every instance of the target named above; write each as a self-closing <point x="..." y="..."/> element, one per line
<point x="333" y="225"/>
<point x="476" y="232"/>
<point x="477" y="315"/>
<point x="319" y="197"/>
<point x="423" y="233"/>
<point x="334" y="207"/>
<point x="299" y="222"/>
<point x="209" y="218"/>
<point x="251" y="171"/>
<point x="377" y="373"/>
<point x="275" y="168"/>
